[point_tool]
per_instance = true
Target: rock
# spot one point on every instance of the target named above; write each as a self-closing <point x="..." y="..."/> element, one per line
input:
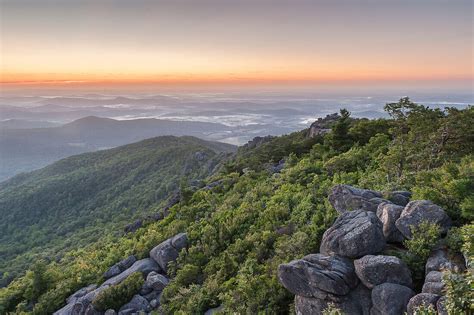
<point x="390" y="299"/>
<point x="215" y="310"/>
<point x="404" y="193"/>
<point x="422" y="210"/>
<point x="81" y="305"/>
<point x="434" y="276"/>
<point x="347" y="198"/>
<point x="145" y="266"/>
<point x="156" y="281"/>
<point x="120" y="266"/>
<point x="90" y="310"/>
<point x="425" y="299"/>
<point x="355" y="303"/>
<point x="137" y="303"/>
<point x="398" y="199"/>
<point x="322" y="125"/>
<point x="112" y="272"/>
<point x="388" y="214"/>
<point x="375" y="270"/>
<point x="439" y="261"/>
<point x="80" y="293"/>
<point x="441" y="306"/>
<point x="317" y="275"/>
<point x="132" y="227"/>
<point x="169" y="250"/>
<point x="66" y="310"/>
<point x="433" y="287"/>
<point x="154" y="303"/>
<point x="153" y="295"/>
<point x="354" y="234"/>
<point x="110" y="312"/>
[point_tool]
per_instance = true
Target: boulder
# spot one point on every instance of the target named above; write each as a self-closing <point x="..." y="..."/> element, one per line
<point x="434" y="276"/>
<point x="390" y="299"/>
<point x="90" y="310"/>
<point x="81" y="305"/>
<point x="80" y="293"/>
<point x="439" y="261"/>
<point x="110" y="312"/>
<point x="399" y="198"/>
<point x="418" y="211"/>
<point x="425" y="299"/>
<point x="388" y="214"/>
<point x="317" y="275"/>
<point x="120" y="266"/>
<point x="347" y="198"/>
<point x="137" y="303"/>
<point x="132" y="227"/>
<point x="433" y="287"/>
<point x="169" y="250"/>
<point x="156" y="281"/>
<point x="354" y="234"/>
<point x="153" y="295"/>
<point x="145" y="266"/>
<point x="358" y="301"/>
<point x="375" y="270"/>
<point x="215" y="310"/>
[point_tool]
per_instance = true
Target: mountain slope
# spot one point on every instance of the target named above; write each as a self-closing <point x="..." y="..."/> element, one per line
<point x="29" y="149"/>
<point x="76" y="200"/>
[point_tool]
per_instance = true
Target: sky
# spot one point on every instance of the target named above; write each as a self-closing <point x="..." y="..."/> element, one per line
<point x="236" y="41"/>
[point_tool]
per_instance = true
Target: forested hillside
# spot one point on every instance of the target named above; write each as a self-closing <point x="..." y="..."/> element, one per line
<point x="267" y="206"/>
<point x="79" y="200"/>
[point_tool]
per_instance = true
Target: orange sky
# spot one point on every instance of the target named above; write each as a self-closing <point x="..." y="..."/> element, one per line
<point x="53" y="41"/>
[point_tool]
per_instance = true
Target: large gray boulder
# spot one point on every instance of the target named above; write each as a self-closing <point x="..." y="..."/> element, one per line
<point x="418" y="211"/>
<point x="425" y="299"/>
<point x="137" y="304"/>
<point x="400" y="198"/>
<point x="156" y="281"/>
<point x="81" y="305"/>
<point x="390" y="299"/>
<point x="441" y="306"/>
<point x="388" y="214"/>
<point x="375" y="270"/>
<point x="317" y="275"/>
<point x="145" y="266"/>
<point x="357" y="302"/>
<point x="347" y="198"/>
<point x="439" y="260"/>
<point x="354" y="234"/>
<point x="169" y="250"/>
<point x="433" y="283"/>
<point x="120" y="267"/>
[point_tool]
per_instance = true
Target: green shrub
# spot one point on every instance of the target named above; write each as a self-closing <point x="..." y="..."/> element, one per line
<point x="331" y="309"/>
<point x="459" y="292"/>
<point x="424" y="238"/>
<point x="425" y="310"/>
<point x="454" y="239"/>
<point x="116" y="296"/>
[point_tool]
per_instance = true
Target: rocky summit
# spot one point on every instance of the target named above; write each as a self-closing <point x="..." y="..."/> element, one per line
<point x="353" y="274"/>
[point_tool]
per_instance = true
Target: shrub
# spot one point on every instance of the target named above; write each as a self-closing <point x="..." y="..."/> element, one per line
<point x="332" y="310"/>
<point x="459" y="292"/>
<point x="116" y="296"/>
<point x="425" y="310"/>
<point x="424" y="238"/>
<point x="454" y="239"/>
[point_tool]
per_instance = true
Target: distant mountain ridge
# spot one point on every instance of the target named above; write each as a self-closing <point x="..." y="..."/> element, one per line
<point x="29" y="149"/>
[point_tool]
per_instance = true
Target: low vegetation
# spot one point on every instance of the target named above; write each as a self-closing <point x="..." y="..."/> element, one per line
<point x="240" y="230"/>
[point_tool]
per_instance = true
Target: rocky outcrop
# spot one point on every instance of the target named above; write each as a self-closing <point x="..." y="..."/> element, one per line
<point x="418" y="211"/>
<point x="372" y="283"/>
<point x="317" y="275"/>
<point x="375" y="270"/>
<point x="169" y="250"/>
<point x="322" y="125"/>
<point x="148" y="297"/>
<point x="354" y="234"/>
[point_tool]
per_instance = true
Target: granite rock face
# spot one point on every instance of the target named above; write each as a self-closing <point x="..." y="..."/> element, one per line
<point x="354" y="234"/>
<point x="318" y="276"/>
<point x="418" y="211"/>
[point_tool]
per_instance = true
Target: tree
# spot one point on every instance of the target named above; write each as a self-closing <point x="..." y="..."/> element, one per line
<point x="339" y="139"/>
